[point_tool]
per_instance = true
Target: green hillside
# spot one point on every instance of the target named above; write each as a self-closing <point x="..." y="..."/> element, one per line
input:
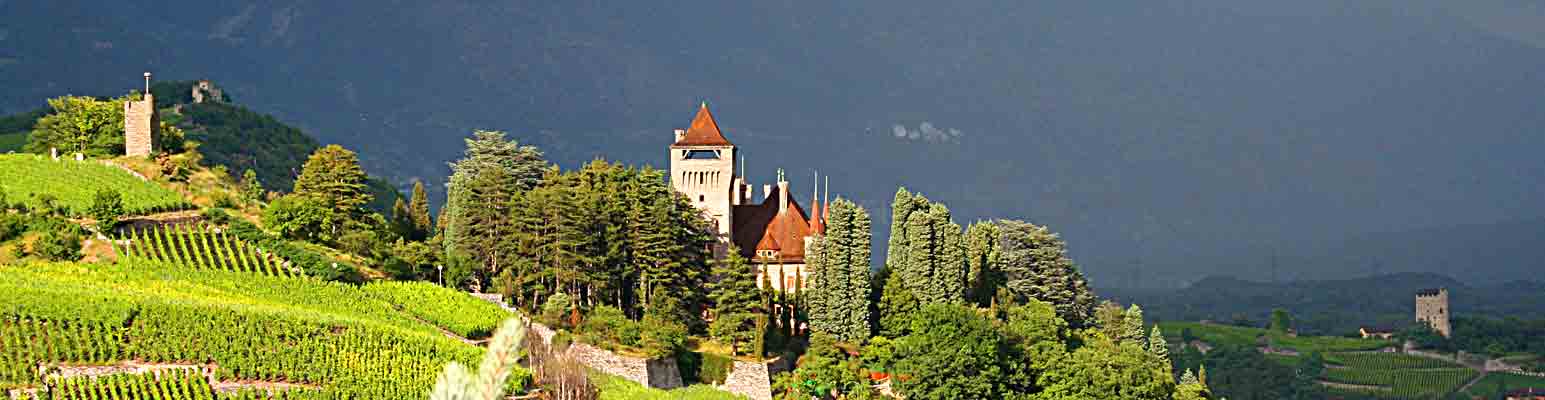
<point x="335" y="338"/>
<point x="28" y="178"/>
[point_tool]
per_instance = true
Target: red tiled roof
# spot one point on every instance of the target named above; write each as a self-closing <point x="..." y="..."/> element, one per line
<point x="703" y="132"/>
<point x="760" y="227"/>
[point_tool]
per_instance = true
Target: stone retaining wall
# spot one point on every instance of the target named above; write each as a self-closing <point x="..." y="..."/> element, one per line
<point x="750" y="379"/>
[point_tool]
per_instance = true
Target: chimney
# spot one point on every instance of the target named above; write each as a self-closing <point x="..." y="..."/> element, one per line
<point x="681" y="134"/>
<point x="783" y="196"/>
<point x="766" y="192"/>
<point x="735" y="188"/>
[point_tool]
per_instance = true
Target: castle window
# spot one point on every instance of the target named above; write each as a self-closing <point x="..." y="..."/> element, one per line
<point x="702" y="155"/>
<point x="700" y="198"/>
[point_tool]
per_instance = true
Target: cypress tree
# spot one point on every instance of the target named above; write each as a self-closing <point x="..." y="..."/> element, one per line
<point x="418" y="212"/>
<point x="837" y="298"/>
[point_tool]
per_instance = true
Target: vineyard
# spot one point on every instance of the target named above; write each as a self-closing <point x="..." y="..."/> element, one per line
<point x="249" y="327"/>
<point x="464" y="315"/>
<point x="1397" y="375"/>
<point x="200" y="248"/>
<point x="27" y="177"/>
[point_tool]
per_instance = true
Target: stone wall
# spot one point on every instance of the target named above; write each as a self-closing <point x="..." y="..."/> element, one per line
<point x="750" y="379"/>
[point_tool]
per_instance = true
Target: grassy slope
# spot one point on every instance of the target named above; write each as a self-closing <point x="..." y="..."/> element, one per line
<point x="1226" y="334"/>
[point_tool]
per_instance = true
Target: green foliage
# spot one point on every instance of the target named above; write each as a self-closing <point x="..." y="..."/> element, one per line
<point x="15" y="128"/>
<point x="80" y="124"/>
<point x="59" y="244"/>
<point x="1035" y="265"/>
<point x="896" y="306"/>
<point x="616" y="388"/>
<point x="332" y="175"/>
<point x="1281" y="321"/>
<point x="453" y="310"/>
<point x="314" y="264"/>
<point x="241" y="139"/>
<point x="252" y="327"/>
<point x="1242" y="372"/>
<point x="984" y="275"/>
<point x="838" y="289"/>
<point x="607" y="324"/>
<point x="418" y="214"/>
<point x="735" y="329"/>
<point x="29" y="178"/>
<point x="170" y="384"/>
<point x="106" y="208"/>
<point x="662" y="337"/>
<point x="1215" y="334"/>
<point x="251" y="187"/>
<point x="480" y="186"/>
<point x="736" y="301"/>
<point x="1104" y="369"/>
<point x="555" y="311"/>
<point x="952" y="353"/>
<point x="302" y="218"/>
<point x="491" y="379"/>
<point x="823" y="370"/>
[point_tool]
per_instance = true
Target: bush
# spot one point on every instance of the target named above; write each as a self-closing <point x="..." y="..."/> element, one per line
<point x="607" y="324"/>
<point x="216" y="216"/>
<point x="314" y="264"/>
<point x="301" y="218"/>
<point x="555" y="308"/>
<point x="11" y="225"/>
<point x="705" y="368"/>
<point x="58" y="245"/>
<point x="222" y="200"/>
<point x="661" y="338"/>
<point x="106" y="207"/>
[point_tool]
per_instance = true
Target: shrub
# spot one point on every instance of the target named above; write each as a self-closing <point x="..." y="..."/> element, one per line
<point x="706" y="368"/>
<point x="58" y="245"/>
<point x="106" y="207"/>
<point x="314" y="264"/>
<point x="554" y="309"/>
<point x="222" y="200"/>
<point x="11" y="225"/>
<point x="607" y="324"/>
<point x="300" y="218"/>
<point x="661" y="338"/>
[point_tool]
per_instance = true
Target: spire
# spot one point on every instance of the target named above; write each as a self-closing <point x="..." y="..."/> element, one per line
<point x="815" y="207"/>
<point x="826" y="207"/>
<point x="704" y="131"/>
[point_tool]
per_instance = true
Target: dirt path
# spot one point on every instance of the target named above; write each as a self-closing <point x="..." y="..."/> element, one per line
<point x="1472" y="382"/>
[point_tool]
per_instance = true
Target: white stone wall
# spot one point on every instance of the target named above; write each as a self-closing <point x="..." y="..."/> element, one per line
<point x="708" y="184"/>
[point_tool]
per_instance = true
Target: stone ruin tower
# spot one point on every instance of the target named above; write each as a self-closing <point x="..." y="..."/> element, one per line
<point x="140" y="123"/>
<point x="205" y="90"/>
<point x="1432" y="309"/>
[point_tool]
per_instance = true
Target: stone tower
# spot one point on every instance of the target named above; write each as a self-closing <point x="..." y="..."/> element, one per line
<point x="703" y="169"/>
<point x="140" y="123"/>
<point x="1432" y="309"/>
<point x="205" y="90"/>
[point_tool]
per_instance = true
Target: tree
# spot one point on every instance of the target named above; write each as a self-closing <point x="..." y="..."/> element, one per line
<point x="1105" y="369"/>
<point x="522" y="168"/>
<point x="418" y="212"/>
<point x="935" y="263"/>
<point x="251" y="188"/>
<point x="301" y="218"/>
<point x="1108" y="319"/>
<point x="1035" y="264"/>
<point x="80" y="124"/>
<point x="897" y="304"/>
<point x="1157" y="345"/>
<point x="1037" y="342"/>
<point x="1132" y="326"/>
<point x="983" y="278"/>
<point x="106" y="208"/>
<point x="839" y="285"/>
<point x="1281" y="321"/>
<point x="332" y="174"/>
<point x="734" y="291"/>
<point x="952" y="353"/>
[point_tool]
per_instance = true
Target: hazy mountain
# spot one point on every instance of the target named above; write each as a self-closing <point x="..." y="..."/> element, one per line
<point x="1161" y="131"/>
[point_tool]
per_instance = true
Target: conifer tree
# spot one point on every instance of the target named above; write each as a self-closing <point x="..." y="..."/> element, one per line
<point x="837" y="297"/>
<point x="936" y="256"/>
<point x="1035" y="265"/>
<point x="1157" y="345"/>
<point x="418" y="212"/>
<point x="522" y="168"/>
<point x="734" y="290"/>
<point x="332" y="174"/>
<point x="1132" y="326"/>
<point x="982" y="275"/>
<point x="251" y="188"/>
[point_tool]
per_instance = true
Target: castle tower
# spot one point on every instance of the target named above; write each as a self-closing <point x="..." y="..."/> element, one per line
<point x="1432" y="309"/>
<point x="140" y="123"/>
<point x="703" y="169"/>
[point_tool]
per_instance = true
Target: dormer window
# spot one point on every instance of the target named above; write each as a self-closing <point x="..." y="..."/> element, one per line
<point x="701" y="155"/>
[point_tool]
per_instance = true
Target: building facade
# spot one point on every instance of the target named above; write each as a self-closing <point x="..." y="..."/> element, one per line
<point x="1432" y="309"/>
<point x="771" y="230"/>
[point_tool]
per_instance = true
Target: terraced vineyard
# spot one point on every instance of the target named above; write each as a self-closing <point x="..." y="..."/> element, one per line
<point x="1397" y="375"/>
<point x="27" y="177"/>
<point x="463" y="315"/>
<point x="200" y="248"/>
<point x="247" y="327"/>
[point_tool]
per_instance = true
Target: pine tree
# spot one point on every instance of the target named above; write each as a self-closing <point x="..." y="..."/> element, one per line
<point x="332" y="174"/>
<point x="734" y="291"/>
<point x="1157" y="345"/>
<point x="522" y="167"/>
<point x="1035" y="265"/>
<point x="418" y="212"/>
<point x="1132" y="325"/>
<point x="251" y="188"/>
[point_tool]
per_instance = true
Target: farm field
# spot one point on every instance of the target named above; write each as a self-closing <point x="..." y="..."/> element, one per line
<point x="457" y="312"/>
<point x="1227" y="334"/>
<point x="333" y="337"/>
<point x="26" y="177"/>
<point x="1496" y="383"/>
<point x="200" y="248"/>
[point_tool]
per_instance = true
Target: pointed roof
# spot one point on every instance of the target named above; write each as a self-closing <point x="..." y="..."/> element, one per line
<point x="762" y="227"/>
<point x="704" y="131"/>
